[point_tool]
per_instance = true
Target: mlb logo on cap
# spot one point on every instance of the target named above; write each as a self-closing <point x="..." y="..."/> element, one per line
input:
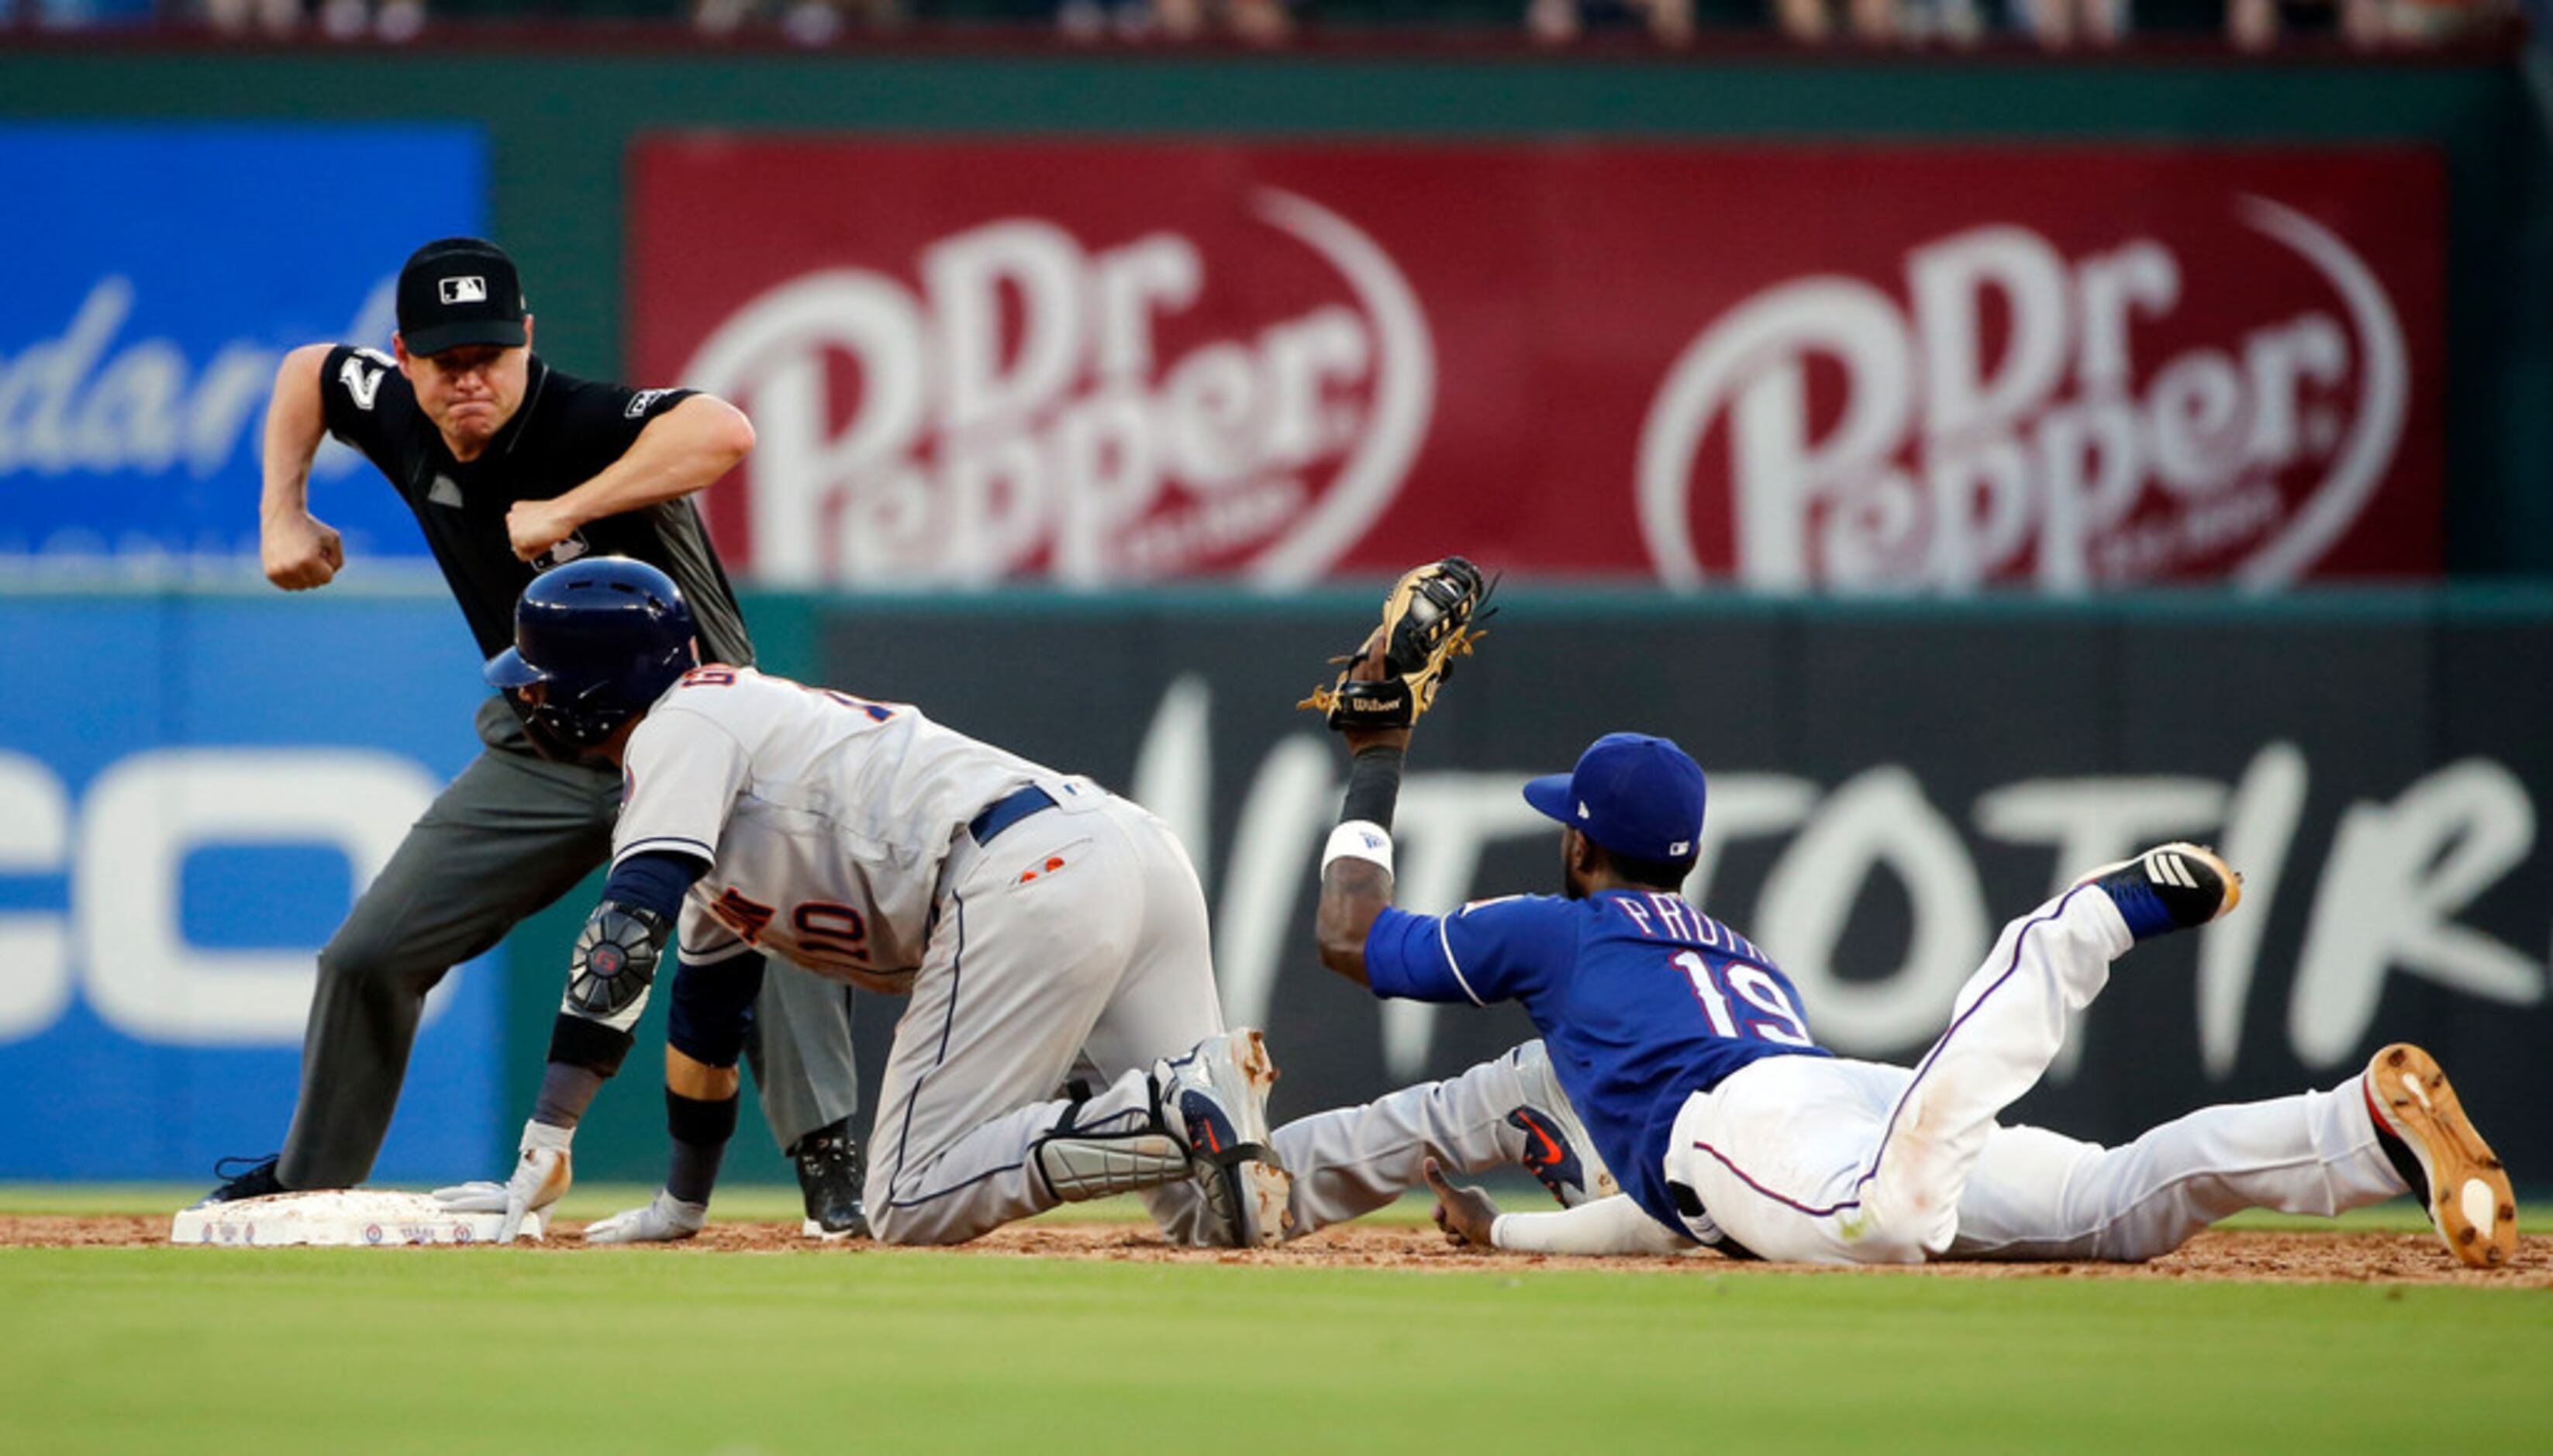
<point x="1635" y="794"/>
<point x="456" y="292"/>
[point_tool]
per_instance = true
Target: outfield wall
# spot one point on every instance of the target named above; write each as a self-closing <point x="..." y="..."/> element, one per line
<point x="1888" y="785"/>
<point x="564" y="133"/>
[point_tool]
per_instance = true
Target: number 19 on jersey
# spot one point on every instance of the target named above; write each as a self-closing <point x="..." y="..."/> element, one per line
<point x="1732" y="993"/>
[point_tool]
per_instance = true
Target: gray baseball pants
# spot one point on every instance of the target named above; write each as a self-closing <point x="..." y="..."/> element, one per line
<point x="1350" y="1160"/>
<point x="513" y="834"/>
<point x="1098" y="963"/>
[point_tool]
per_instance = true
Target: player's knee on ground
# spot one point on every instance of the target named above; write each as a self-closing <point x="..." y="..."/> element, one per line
<point x="913" y="1227"/>
<point x="922" y="1223"/>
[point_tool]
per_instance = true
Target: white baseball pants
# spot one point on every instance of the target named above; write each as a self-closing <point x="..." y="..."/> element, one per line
<point x="1833" y="1160"/>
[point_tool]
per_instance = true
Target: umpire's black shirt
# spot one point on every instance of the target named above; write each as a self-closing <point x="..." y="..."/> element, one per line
<point x="566" y="432"/>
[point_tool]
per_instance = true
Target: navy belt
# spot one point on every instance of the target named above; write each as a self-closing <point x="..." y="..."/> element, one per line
<point x="1688" y="1203"/>
<point x="1008" y="810"/>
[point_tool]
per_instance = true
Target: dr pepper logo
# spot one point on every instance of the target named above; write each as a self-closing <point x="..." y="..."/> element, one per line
<point x="1027" y="397"/>
<point x="1908" y="368"/>
<point x="2004" y="409"/>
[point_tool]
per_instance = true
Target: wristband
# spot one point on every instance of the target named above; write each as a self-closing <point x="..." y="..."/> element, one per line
<point x="567" y="1089"/>
<point x="700" y="1121"/>
<point x="1359" y="839"/>
<point x="583" y="1043"/>
<point x="700" y="1129"/>
<point x="1374" y="785"/>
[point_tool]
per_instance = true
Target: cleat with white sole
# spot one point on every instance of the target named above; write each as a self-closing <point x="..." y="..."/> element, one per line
<point x="1214" y="1100"/>
<point x="2460" y="1182"/>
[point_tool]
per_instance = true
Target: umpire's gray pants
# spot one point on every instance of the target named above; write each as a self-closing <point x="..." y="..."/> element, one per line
<point x="514" y="833"/>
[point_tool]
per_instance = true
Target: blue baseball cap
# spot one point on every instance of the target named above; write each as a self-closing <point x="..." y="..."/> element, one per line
<point x="1635" y="794"/>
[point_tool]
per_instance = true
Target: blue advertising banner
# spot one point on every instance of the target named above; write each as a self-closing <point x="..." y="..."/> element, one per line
<point x="178" y="837"/>
<point x="143" y="323"/>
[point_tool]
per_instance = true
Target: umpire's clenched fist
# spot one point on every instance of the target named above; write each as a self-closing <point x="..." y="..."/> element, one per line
<point x="300" y="551"/>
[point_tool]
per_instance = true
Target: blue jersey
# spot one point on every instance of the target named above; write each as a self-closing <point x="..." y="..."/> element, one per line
<point x="1642" y="1001"/>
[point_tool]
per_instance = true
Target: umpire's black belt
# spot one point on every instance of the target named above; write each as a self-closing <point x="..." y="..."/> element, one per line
<point x="1008" y="810"/>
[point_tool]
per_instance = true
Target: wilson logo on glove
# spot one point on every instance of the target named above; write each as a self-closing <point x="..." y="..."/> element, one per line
<point x="1428" y="621"/>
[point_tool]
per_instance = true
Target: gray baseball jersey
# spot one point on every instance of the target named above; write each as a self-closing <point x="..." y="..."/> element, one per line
<point x="1064" y="938"/>
<point x="825" y="817"/>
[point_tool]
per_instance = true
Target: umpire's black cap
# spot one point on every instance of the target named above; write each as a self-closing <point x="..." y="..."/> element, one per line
<point x="455" y="292"/>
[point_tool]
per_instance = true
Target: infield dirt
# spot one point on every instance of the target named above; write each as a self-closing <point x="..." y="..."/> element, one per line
<point x="2249" y="1255"/>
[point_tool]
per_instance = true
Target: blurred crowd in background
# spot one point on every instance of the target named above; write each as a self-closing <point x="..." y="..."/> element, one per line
<point x="2057" y="25"/>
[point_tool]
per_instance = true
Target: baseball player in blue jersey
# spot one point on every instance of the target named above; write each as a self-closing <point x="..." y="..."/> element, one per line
<point x="1689" y="1060"/>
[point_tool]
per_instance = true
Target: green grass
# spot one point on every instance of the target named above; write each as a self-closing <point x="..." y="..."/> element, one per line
<point x="650" y="1350"/>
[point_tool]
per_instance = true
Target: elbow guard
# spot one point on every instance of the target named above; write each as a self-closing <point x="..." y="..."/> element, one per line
<point x="615" y="964"/>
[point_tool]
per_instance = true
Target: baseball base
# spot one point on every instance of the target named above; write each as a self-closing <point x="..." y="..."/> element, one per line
<point x="353" y="1218"/>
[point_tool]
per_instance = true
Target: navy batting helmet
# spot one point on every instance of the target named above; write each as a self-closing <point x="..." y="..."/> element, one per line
<point x="602" y="637"/>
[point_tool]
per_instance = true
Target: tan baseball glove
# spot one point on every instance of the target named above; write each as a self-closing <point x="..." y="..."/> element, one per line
<point x="1430" y="617"/>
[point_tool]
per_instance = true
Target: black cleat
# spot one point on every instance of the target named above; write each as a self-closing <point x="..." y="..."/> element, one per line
<point x="2168" y="888"/>
<point x="255" y="1180"/>
<point x="831" y="1170"/>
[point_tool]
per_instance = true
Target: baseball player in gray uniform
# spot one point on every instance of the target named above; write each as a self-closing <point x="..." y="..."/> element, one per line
<point x="1508" y="1111"/>
<point x="1063" y="1038"/>
<point x="510" y="467"/>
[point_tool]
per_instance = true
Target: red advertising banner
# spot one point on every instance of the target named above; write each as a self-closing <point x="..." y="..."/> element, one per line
<point x="1889" y="367"/>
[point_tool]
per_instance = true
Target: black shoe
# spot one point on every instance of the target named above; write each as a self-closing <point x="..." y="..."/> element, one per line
<point x="830" y="1172"/>
<point x="2171" y="887"/>
<point x="256" y="1181"/>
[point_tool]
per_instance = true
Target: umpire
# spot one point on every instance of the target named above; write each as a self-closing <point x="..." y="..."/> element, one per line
<point x="512" y="466"/>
